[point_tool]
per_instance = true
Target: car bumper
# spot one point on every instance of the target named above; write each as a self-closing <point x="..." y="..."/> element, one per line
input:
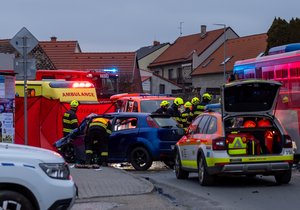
<point x="63" y="204"/>
<point x="252" y="168"/>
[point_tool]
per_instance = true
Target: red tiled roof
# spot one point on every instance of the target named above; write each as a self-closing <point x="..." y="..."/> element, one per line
<point x="67" y="55"/>
<point x="182" y="49"/>
<point x="238" y="49"/>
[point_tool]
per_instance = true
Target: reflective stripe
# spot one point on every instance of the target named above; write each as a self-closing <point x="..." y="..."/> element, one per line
<point x="67" y="130"/>
<point x="88" y="151"/>
<point x="189" y="163"/>
<point x="70" y="121"/>
<point x="66" y="114"/>
<point x="104" y="153"/>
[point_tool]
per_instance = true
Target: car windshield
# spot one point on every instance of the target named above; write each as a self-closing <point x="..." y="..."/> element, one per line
<point x="152" y="105"/>
<point x="165" y="122"/>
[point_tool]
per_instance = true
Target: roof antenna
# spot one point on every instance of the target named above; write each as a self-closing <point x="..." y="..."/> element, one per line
<point x="180" y="28"/>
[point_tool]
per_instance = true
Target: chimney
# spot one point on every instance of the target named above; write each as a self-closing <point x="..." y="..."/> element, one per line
<point x="203" y="31"/>
<point x="155" y="43"/>
<point x="53" y="38"/>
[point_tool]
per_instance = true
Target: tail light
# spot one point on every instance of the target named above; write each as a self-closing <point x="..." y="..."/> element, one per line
<point x="219" y="144"/>
<point x="82" y="84"/>
<point x="152" y="123"/>
<point x="288" y="142"/>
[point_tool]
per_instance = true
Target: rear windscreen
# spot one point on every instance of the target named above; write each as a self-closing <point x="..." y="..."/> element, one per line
<point x="165" y="122"/>
<point x="250" y="97"/>
<point x="152" y="105"/>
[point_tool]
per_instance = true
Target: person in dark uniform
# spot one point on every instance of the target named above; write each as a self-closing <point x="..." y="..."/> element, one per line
<point x="174" y="110"/>
<point x="98" y="132"/>
<point x="164" y="105"/>
<point x="70" y="120"/>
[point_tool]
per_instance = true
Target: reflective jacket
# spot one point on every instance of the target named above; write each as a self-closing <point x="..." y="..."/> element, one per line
<point x="102" y="123"/>
<point x="70" y="122"/>
<point x="175" y="113"/>
<point x="186" y="118"/>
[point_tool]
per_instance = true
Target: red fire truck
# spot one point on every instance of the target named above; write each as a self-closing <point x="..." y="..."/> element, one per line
<point x="105" y="81"/>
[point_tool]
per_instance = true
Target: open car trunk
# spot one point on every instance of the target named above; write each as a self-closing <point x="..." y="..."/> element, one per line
<point x="252" y="136"/>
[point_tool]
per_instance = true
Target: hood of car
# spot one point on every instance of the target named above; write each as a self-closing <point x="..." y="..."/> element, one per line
<point x="9" y="151"/>
<point x="249" y="97"/>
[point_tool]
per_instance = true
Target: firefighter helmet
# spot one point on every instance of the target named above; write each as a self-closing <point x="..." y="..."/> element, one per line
<point x="188" y="105"/>
<point x="195" y="100"/>
<point x="164" y="104"/>
<point x="206" y="96"/>
<point x="178" y="101"/>
<point x="74" y="104"/>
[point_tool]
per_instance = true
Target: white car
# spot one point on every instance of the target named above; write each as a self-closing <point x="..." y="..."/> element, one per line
<point x="32" y="178"/>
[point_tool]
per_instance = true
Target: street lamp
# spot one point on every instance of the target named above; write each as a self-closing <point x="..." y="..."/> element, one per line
<point x="224" y="26"/>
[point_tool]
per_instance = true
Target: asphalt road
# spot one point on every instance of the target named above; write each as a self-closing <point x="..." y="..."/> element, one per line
<point x="229" y="193"/>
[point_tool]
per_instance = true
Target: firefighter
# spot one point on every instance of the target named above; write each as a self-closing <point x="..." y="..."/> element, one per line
<point x="98" y="132"/>
<point x="174" y="110"/>
<point x="187" y="115"/>
<point x="200" y="108"/>
<point x="164" y="105"/>
<point x="196" y="108"/>
<point x="70" y="120"/>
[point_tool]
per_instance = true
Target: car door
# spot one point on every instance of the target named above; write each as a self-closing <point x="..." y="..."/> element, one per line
<point x="187" y="143"/>
<point x="125" y="132"/>
<point x="199" y="137"/>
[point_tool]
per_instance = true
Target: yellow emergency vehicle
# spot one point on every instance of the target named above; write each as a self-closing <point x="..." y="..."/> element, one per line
<point x="65" y="91"/>
<point x="245" y="138"/>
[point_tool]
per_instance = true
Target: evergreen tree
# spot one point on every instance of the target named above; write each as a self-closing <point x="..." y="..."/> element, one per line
<point x="278" y="33"/>
<point x="294" y="30"/>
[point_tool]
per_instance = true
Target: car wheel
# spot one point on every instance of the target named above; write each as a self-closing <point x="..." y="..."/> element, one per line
<point x="140" y="159"/>
<point x="179" y="172"/>
<point x="284" y="178"/>
<point x="205" y="179"/>
<point x="14" y="200"/>
<point x="169" y="163"/>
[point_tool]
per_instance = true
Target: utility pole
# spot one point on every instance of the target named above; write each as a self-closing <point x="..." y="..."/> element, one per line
<point x="180" y="28"/>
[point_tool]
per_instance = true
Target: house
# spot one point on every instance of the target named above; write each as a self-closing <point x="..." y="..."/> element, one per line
<point x="155" y="84"/>
<point x="148" y="54"/>
<point x="42" y="59"/>
<point x="178" y="61"/>
<point x="209" y="75"/>
<point x="68" y="55"/>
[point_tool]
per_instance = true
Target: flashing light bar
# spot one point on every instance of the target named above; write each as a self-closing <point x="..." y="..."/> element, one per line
<point x="114" y="70"/>
<point x="82" y="85"/>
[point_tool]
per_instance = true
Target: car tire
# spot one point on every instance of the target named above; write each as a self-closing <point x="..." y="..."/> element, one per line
<point x="205" y="179"/>
<point x="179" y="172"/>
<point x="14" y="200"/>
<point x="140" y="159"/>
<point x="284" y="178"/>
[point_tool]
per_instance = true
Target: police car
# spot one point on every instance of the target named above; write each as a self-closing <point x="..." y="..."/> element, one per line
<point x="245" y="138"/>
<point x="34" y="179"/>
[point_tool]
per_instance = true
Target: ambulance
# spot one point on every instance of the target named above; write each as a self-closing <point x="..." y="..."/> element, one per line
<point x="47" y="100"/>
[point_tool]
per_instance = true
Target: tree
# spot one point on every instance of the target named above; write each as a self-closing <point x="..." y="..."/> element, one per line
<point x="294" y="30"/>
<point x="278" y="33"/>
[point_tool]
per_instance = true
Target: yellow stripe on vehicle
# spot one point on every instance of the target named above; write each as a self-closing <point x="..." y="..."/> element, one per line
<point x="189" y="163"/>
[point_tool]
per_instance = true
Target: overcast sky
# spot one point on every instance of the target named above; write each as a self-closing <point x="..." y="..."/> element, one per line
<point x="127" y="25"/>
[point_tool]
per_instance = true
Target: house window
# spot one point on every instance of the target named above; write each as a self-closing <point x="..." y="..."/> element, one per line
<point x="171" y="74"/>
<point x="161" y="89"/>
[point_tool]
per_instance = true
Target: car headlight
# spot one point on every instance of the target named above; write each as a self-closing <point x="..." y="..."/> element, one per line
<point x="56" y="170"/>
